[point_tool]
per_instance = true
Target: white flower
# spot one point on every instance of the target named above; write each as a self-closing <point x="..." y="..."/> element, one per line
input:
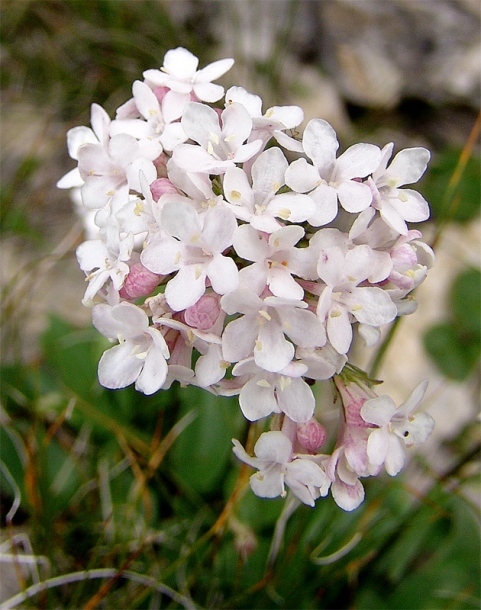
<point x="398" y="206"/>
<point x="263" y="328"/>
<point x="273" y="122"/>
<point x="159" y="120"/>
<point x="141" y="354"/>
<point x="221" y="145"/>
<point x="343" y="298"/>
<point x="259" y="204"/>
<point x="283" y="392"/>
<point x="275" y="257"/>
<point x="397" y="428"/>
<point x="330" y="179"/>
<point x="179" y="73"/>
<point x="102" y="261"/>
<point x="193" y="247"/>
<point x="277" y="467"/>
<point x="109" y="173"/>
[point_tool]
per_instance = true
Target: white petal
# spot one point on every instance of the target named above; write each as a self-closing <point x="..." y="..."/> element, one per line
<point x="91" y="254"/>
<point x="145" y="100"/>
<point x="268" y="172"/>
<point x="347" y="497"/>
<point x="242" y="455"/>
<point x="214" y="71"/>
<point x="302" y="327"/>
<point x="154" y="373"/>
<point x="378" y="411"/>
<point x="354" y="196"/>
<point x="181" y="220"/>
<point x="325" y="198"/>
<point x="238" y="339"/>
<point x="358" y="161"/>
<point x="413" y="399"/>
<point x="330" y="265"/>
<point x="181" y="63"/>
<point x="292" y="207"/>
<point x="199" y="122"/>
<point x="208" y="368"/>
<point x="296" y="400"/>
<point x="412" y="206"/>
<point x="378" y="446"/>
<point x="257" y="401"/>
<point x="408" y="166"/>
<point x="418" y="427"/>
<point x="395" y="457"/>
<point x="320" y="144"/>
<point x="339" y="330"/>
<point x="289" y="116"/>
<point x="76" y="137"/>
<point x="269" y="484"/>
<point x="272" y="351"/>
<point x="186" y="287"/>
<point x="219" y="226"/>
<point x="301" y="176"/>
<point x="282" y="284"/>
<point x="223" y="274"/>
<point x="371" y="306"/>
<point x="208" y="92"/>
<point x="236" y="124"/>
<point x="118" y="368"/>
<point x="252" y="103"/>
<point x="273" y="446"/>
<point x="250" y="244"/>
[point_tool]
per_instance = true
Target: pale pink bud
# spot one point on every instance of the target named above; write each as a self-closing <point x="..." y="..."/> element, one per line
<point x="140" y="282"/>
<point x="203" y="314"/>
<point x="161" y="186"/>
<point x="311" y="435"/>
<point x="353" y="398"/>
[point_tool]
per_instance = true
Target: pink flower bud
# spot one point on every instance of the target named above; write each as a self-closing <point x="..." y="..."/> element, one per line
<point x="353" y="397"/>
<point x="311" y="435"/>
<point x="204" y="313"/>
<point x="140" y="282"/>
<point x="161" y="186"/>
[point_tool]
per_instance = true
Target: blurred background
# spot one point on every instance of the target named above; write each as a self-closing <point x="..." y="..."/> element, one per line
<point x="100" y="480"/>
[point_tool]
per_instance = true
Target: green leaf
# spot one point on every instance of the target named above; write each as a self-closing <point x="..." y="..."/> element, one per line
<point x="460" y="205"/>
<point x="454" y="355"/>
<point x="465" y="301"/>
<point x="202" y="452"/>
<point x="74" y="354"/>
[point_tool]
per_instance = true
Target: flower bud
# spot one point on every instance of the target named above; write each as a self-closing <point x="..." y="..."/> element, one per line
<point x="161" y="186"/>
<point x="140" y="282"/>
<point x="311" y="435"/>
<point x="353" y="397"/>
<point x="203" y="314"/>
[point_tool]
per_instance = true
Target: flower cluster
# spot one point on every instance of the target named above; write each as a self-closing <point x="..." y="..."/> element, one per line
<point x="226" y="253"/>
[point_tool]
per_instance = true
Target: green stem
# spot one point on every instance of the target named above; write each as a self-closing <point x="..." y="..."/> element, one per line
<point x="381" y="352"/>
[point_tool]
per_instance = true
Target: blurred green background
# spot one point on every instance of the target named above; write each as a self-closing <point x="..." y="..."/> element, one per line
<point x="112" y="480"/>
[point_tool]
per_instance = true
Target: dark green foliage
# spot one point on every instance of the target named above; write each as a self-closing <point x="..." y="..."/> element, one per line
<point x="455" y="344"/>
<point x="458" y="201"/>
<point x="80" y="455"/>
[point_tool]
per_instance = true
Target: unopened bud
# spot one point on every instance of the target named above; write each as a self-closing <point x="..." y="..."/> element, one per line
<point x="140" y="282"/>
<point x="161" y="186"/>
<point x="203" y="314"/>
<point x="311" y="435"/>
